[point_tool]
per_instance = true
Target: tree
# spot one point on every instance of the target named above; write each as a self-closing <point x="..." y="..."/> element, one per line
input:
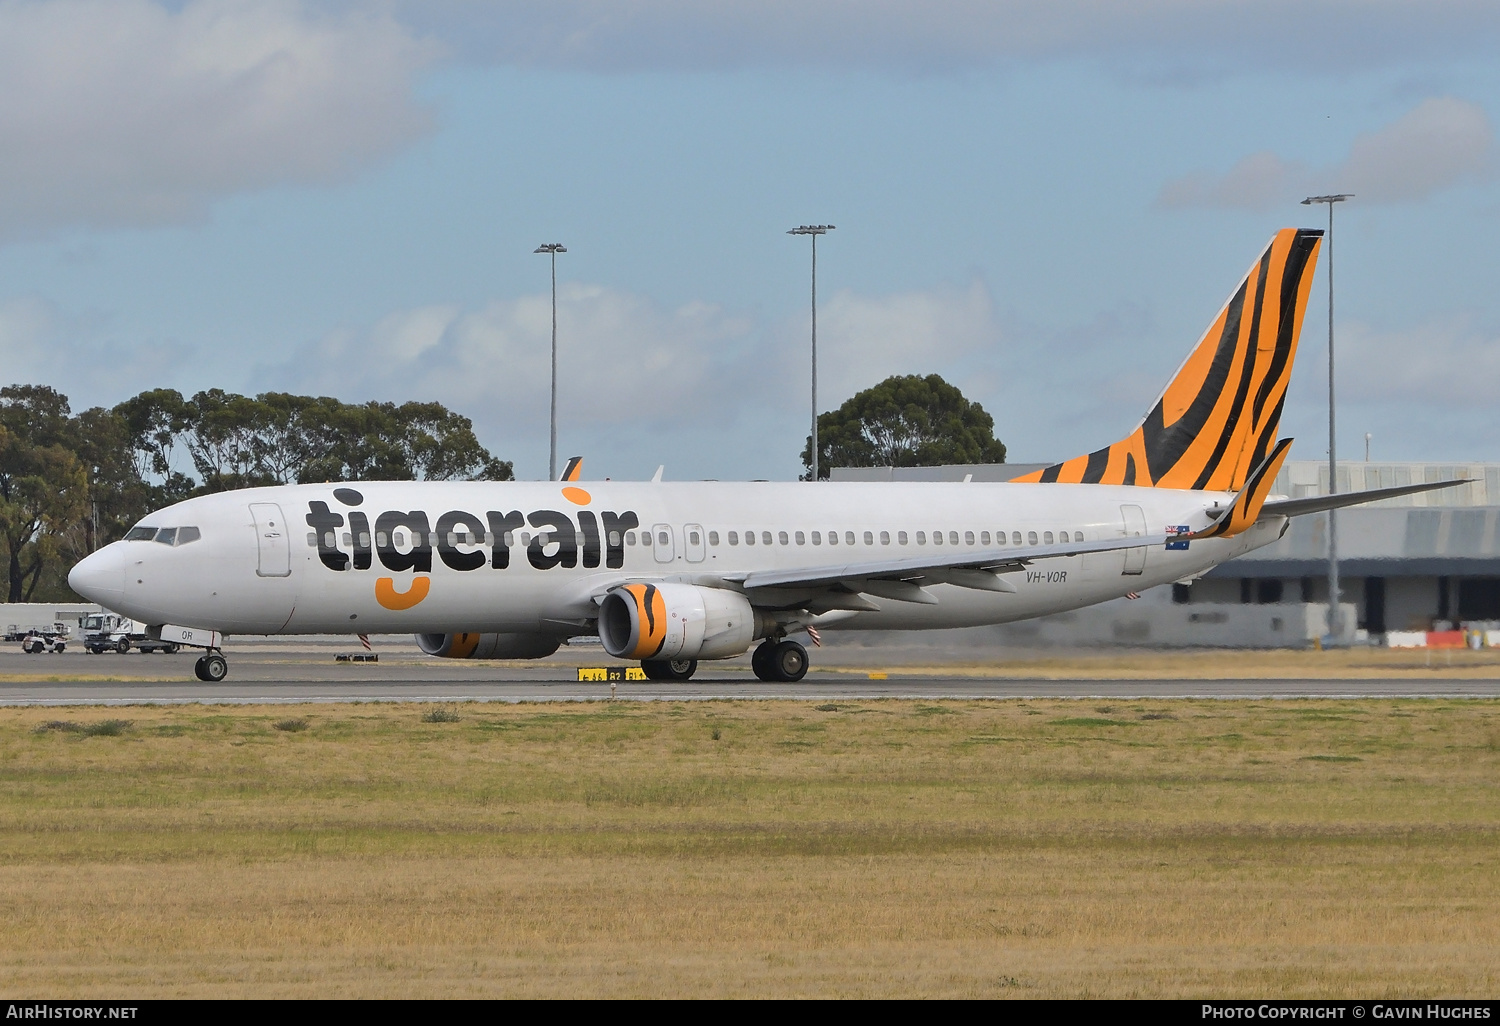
<point x="905" y="421"/>
<point x="43" y="483"/>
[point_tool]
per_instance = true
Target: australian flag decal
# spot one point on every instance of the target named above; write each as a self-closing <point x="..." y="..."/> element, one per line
<point x="1178" y="529"/>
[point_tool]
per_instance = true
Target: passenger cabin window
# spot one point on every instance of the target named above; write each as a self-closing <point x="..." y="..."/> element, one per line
<point x="833" y="537"/>
<point x="848" y="537"/>
<point x="885" y="537"/>
<point x="1015" y="537"/>
<point x="147" y="533"/>
<point x="734" y="537"/>
<point x="662" y="539"/>
<point x="937" y="537"/>
<point x="969" y="538"/>
<point x="1030" y="537"/>
<point x="629" y="537"/>
<point x="693" y="537"/>
<point x="901" y="537"/>
<point x="1047" y="537"/>
<point x="869" y="538"/>
<point x="379" y="539"/>
<point x="801" y="539"/>
<point x="713" y="537"/>
<point x="614" y="539"/>
<point x="781" y="536"/>
<point x="749" y="537"/>
<point x="984" y="537"/>
<point x="952" y="537"/>
<point x="817" y="537"/>
<point x="765" y="537"/>
<point x="921" y="537"/>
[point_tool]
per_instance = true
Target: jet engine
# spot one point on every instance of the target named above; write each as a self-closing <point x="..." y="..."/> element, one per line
<point x="676" y="621"/>
<point x="488" y="646"/>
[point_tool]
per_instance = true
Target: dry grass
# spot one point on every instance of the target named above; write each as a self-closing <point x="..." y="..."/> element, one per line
<point x="1159" y="664"/>
<point x="1026" y="848"/>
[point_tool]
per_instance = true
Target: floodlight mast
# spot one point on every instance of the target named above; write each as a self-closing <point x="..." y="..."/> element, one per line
<point x="1335" y="615"/>
<point x="814" y="230"/>
<point x="553" y="248"/>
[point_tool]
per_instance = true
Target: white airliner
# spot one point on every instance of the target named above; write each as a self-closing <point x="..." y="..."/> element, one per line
<point x="670" y="573"/>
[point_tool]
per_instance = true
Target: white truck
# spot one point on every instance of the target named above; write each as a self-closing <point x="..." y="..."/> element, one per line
<point x="45" y="639"/>
<point x="110" y="632"/>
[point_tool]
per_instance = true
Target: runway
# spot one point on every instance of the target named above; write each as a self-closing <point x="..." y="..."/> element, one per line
<point x="272" y="674"/>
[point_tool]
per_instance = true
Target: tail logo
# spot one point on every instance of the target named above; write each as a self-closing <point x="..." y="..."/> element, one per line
<point x="1218" y="419"/>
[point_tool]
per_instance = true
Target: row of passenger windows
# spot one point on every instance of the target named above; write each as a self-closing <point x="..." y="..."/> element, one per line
<point x="164" y="535"/>
<point x="850" y="538"/>
<point x="401" y="538"/>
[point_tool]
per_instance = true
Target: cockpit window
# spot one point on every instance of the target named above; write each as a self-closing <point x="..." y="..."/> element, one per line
<point x="187" y="534"/>
<point x="140" y="534"/>
<point x="167" y="535"/>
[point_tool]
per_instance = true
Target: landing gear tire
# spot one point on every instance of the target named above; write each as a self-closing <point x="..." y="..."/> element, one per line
<point x="212" y="668"/>
<point x="669" y="669"/>
<point x="789" y="662"/>
<point x="760" y="660"/>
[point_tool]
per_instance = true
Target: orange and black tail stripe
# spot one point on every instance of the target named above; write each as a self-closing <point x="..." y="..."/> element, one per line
<point x="574" y="470"/>
<point x="1219" y="417"/>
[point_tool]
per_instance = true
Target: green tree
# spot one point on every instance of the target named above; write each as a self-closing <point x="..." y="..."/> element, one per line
<point x="905" y="421"/>
<point x="43" y="484"/>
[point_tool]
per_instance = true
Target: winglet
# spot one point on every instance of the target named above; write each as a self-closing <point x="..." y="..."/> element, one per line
<point x="656" y="477"/>
<point x="573" y="470"/>
<point x="1245" y="510"/>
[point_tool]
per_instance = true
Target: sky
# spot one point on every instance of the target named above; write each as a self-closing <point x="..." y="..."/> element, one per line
<point x="1045" y="201"/>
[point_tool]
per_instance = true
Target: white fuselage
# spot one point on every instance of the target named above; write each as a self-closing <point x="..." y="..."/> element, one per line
<point x="298" y="559"/>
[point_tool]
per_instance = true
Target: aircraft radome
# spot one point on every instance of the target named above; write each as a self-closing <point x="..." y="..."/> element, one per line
<point x="671" y="573"/>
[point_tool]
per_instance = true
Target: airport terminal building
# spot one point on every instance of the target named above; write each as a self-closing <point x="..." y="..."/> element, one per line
<point x="1417" y="563"/>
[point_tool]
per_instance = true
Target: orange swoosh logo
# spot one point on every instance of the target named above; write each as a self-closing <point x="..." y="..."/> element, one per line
<point x="387" y="595"/>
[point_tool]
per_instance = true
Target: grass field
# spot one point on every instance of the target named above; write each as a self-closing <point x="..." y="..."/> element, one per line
<point x="1026" y="848"/>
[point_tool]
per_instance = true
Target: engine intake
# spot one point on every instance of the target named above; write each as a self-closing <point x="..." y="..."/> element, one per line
<point x="676" y="621"/>
<point x="488" y="646"/>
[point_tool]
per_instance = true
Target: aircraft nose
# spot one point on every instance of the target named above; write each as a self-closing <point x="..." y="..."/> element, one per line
<point x="100" y="577"/>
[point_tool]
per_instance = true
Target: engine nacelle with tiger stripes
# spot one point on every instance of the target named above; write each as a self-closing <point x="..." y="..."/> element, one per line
<point x="488" y="646"/>
<point x="677" y="621"/>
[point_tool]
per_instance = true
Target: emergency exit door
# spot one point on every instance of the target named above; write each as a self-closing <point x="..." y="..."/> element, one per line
<point x="1135" y="527"/>
<point x="272" y="539"/>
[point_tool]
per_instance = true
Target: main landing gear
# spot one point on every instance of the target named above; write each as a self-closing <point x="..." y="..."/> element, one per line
<point x="212" y="667"/>
<point x="781" y="661"/>
<point x="669" y="669"/>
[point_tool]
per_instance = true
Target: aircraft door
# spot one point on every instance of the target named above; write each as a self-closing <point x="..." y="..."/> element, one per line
<point x="273" y="540"/>
<point x="692" y="543"/>
<point x="661" y="543"/>
<point x="1135" y="527"/>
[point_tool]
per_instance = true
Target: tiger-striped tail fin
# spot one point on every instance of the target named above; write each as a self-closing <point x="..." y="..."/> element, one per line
<point x="1218" y="419"/>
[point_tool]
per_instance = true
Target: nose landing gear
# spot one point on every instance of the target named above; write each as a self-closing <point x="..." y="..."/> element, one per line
<point x="783" y="662"/>
<point x="212" y="667"/>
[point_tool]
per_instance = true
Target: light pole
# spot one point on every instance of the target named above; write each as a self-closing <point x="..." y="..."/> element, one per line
<point x="814" y="230"/>
<point x="1335" y="619"/>
<point x="553" y="248"/>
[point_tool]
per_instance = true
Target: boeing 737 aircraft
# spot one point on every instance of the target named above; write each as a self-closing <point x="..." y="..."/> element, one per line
<point x="671" y="573"/>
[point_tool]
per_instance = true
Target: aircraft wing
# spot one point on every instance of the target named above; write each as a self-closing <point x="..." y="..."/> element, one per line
<point x="967" y="569"/>
<point x="1320" y="503"/>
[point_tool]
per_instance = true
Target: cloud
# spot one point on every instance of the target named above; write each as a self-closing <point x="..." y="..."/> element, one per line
<point x="1441" y="143"/>
<point x="133" y="112"/>
<point x="39" y="345"/>
<point x="1443" y="363"/>
<point x="697" y="384"/>
<point x="943" y="35"/>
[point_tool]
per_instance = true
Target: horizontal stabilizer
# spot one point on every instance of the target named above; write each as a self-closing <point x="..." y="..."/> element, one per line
<point x="1320" y="503"/>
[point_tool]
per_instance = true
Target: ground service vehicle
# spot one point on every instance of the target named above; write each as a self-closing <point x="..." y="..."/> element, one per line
<point x="54" y="640"/>
<point x="110" y="632"/>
